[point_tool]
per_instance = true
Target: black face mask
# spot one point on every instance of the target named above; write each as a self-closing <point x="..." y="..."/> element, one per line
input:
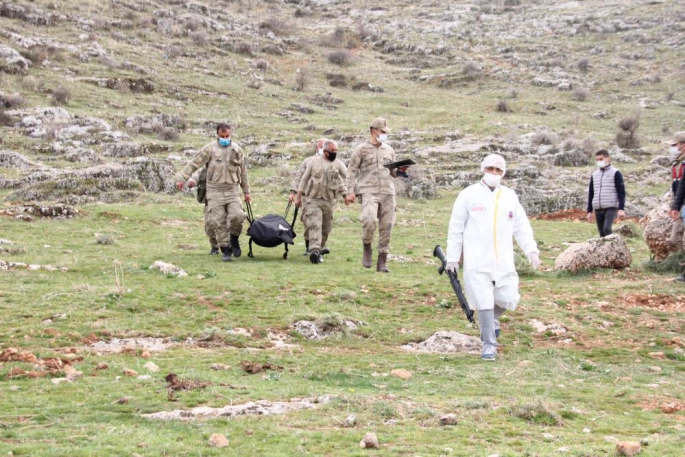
<point x="332" y="155"/>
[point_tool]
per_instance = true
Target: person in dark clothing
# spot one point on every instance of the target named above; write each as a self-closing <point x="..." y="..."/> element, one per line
<point x="678" y="142"/>
<point x="606" y="195"/>
<point x="677" y="156"/>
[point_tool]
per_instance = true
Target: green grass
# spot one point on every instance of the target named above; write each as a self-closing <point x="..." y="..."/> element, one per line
<point x="109" y="290"/>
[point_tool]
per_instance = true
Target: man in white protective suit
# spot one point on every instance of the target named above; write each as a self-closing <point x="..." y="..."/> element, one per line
<point x="485" y="219"/>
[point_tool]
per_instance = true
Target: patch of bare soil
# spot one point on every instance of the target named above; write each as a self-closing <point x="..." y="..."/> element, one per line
<point x="256" y="367"/>
<point x="661" y="302"/>
<point x="666" y="404"/>
<point x="566" y="214"/>
<point x="256" y="408"/>
<point x="42" y="367"/>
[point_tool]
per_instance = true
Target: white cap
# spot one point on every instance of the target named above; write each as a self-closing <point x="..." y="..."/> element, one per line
<point x="494" y="160"/>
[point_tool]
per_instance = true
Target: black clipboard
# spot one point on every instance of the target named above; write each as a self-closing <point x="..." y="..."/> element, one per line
<point x="401" y="163"/>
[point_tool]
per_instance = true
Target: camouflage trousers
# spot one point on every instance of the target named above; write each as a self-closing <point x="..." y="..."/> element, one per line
<point x="225" y="216"/>
<point x="678" y="234"/>
<point x="319" y="222"/>
<point x="378" y="211"/>
<point x="210" y="234"/>
<point x="303" y="217"/>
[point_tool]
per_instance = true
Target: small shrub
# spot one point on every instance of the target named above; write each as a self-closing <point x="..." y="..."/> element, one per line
<point x="193" y="24"/>
<point x="512" y="2"/>
<point x="342" y="58"/>
<point x="29" y="83"/>
<point x="61" y="96"/>
<point x="105" y="240"/>
<point x="336" y="80"/>
<point x="199" y="38"/>
<point x="244" y="48"/>
<point x="471" y="71"/>
<point x="580" y="94"/>
<point x="536" y="413"/>
<point x="261" y="65"/>
<point x="277" y="26"/>
<point x="546" y="138"/>
<point x="364" y="30"/>
<point x="255" y="83"/>
<point x="669" y="96"/>
<point x="174" y="51"/>
<point x="12" y="101"/>
<point x="5" y="119"/>
<point x="109" y="62"/>
<point x="674" y="263"/>
<point x="503" y="107"/>
<point x="168" y="134"/>
<point x="512" y="93"/>
<point x="583" y="64"/>
<point x="627" y="137"/>
<point x="301" y="79"/>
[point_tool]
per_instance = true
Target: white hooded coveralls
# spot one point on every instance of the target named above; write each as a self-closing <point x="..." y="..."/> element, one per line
<point x="483" y="225"/>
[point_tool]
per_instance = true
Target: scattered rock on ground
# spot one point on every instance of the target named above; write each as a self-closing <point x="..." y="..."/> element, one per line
<point x="218" y="440"/>
<point x="169" y="269"/>
<point x="607" y="252"/>
<point x="323" y="328"/>
<point x="656" y="226"/>
<point x="370" y="441"/>
<point x="628" y="448"/>
<point x="401" y="373"/>
<point x="219" y="366"/>
<point x="553" y="328"/>
<point x="448" y="419"/>
<point x="257" y="408"/>
<point x="447" y="342"/>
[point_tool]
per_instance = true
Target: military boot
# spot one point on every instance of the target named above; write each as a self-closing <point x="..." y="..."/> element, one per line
<point x="306" y="247"/>
<point x="325" y="251"/>
<point x="226" y="251"/>
<point x="235" y="246"/>
<point x="380" y="265"/>
<point x="367" y="259"/>
<point x="214" y="251"/>
<point x="315" y="256"/>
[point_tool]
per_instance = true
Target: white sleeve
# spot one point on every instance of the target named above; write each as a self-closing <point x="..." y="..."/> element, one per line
<point x="523" y="232"/>
<point x="455" y="231"/>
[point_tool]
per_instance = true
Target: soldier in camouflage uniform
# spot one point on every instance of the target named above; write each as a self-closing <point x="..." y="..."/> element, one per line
<point x="322" y="182"/>
<point x="376" y="191"/>
<point x="195" y="179"/>
<point x="318" y="150"/>
<point x="226" y="176"/>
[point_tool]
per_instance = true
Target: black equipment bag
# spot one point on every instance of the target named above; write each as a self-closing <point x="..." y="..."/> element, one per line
<point x="271" y="230"/>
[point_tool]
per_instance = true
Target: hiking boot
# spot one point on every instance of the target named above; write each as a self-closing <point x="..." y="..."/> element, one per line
<point x="488" y="354"/>
<point x="368" y="254"/>
<point x="306" y="247"/>
<point x="235" y="246"/>
<point x="214" y="251"/>
<point x="315" y="256"/>
<point x="380" y="265"/>
<point x="226" y="251"/>
<point x="325" y="251"/>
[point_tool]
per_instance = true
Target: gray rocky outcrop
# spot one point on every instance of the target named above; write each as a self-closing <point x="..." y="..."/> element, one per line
<point x="608" y="252"/>
<point x="12" y="62"/>
<point x="656" y="231"/>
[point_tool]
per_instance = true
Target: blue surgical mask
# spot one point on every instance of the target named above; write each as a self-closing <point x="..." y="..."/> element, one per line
<point x="224" y="142"/>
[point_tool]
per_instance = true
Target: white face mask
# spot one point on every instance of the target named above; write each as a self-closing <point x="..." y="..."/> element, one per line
<point x="319" y="151"/>
<point x="601" y="164"/>
<point x="491" y="180"/>
<point x="674" y="152"/>
<point x="382" y="137"/>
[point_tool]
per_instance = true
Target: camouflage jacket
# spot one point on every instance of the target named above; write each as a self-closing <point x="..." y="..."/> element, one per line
<point x="226" y="168"/>
<point x="323" y="179"/>
<point x="299" y="173"/>
<point x="367" y="162"/>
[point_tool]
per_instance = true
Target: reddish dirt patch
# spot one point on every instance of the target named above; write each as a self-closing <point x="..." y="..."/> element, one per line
<point x="661" y="302"/>
<point x="566" y="214"/>
<point x="666" y="404"/>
